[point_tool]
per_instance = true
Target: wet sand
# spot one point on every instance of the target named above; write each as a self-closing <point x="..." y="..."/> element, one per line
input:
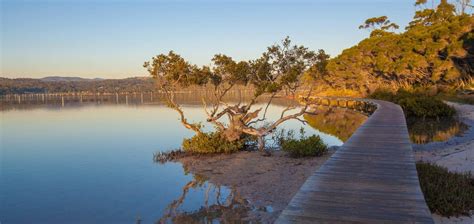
<point x="267" y="182"/>
<point x="271" y="182"/>
<point x="456" y="154"/>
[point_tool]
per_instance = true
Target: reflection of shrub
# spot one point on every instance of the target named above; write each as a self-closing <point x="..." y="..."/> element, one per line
<point x="416" y="104"/>
<point x="206" y="143"/>
<point x="163" y="157"/>
<point x="427" y="130"/>
<point x="305" y="146"/>
<point x="446" y="193"/>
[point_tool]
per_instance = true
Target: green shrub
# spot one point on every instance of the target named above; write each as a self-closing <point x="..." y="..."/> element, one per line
<point x="208" y="143"/>
<point x="383" y="94"/>
<point x="422" y="106"/>
<point x="446" y="193"/>
<point x="416" y="104"/>
<point x="303" y="147"/>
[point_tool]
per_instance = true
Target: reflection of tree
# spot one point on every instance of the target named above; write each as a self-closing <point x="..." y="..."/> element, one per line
<point x="341" y="123"/>
<point x="232" y="209"/>
<point x="423" y="131"/>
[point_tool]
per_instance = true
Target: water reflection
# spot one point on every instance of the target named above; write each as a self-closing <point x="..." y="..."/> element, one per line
<point x="221" y="205"/>
<point x="423" y="131"/>
<point x="341" y="123"/>
<point x="54" y="153"/>
<point x="31" y="101"/>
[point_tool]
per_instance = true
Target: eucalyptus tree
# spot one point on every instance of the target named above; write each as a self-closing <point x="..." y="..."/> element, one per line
<point x="381" y="22"/>
<point x="378" y="25"/>
<point x="277" y="71"/>
<point x="434" y="49"/>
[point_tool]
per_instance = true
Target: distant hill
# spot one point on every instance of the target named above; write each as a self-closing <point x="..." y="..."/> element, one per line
<point x="57" y="84"/>
<point x="67" y="79"/>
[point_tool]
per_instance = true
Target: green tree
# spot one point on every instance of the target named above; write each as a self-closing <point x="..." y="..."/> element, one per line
<point x="378" y="25"/>
<point x="382" y="23"/>
<point x="277" y="71"/>
<point x="435" y="49"/>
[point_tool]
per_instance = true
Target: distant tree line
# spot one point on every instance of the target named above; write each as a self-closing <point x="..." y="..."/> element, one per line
<point x="26" y="85"/>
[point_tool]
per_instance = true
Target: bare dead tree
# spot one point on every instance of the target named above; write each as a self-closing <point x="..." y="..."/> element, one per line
<point x="278" y="71"/>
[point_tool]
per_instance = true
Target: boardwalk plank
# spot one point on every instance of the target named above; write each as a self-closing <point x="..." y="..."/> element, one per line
<point x="372" y="178"/>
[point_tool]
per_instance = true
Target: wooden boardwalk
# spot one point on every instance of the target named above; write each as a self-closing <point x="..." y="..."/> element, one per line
<point x="372" y="178"/>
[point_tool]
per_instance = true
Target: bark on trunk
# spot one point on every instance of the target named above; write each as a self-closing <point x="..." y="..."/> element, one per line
<point x="261" y="143"/>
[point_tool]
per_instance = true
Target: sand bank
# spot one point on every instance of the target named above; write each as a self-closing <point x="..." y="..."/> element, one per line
<point x="456" y="154"/>
<point x="264" y="181"/>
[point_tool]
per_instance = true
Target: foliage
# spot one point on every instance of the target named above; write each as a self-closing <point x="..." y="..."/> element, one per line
<point x="278" y="70"/>
<point x="209" y="143"/>
<point x="378" y="25"/>
<point x="339" y="92"/>
<point x="446" y="193"/>
<point x="416" y="104"/>
<point x="423" y="106"/>
<point x="45" y="85"/>
<point x="304" y="146"/>
<point x="436" y="48"/>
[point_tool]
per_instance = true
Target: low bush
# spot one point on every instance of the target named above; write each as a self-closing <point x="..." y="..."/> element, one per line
<point x="446" y="193"/>
<point x="416" y="104"/>
<point x="209" y="143"/>
<point x="305" y="146"/>
<point x="383" y="94"/>
<point x="423" y="106"/>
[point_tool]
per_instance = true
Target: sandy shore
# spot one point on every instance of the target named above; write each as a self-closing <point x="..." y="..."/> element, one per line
<point x="456" y="154"/>
<point x="264" y="181"/>
<point x="255" y="176"/>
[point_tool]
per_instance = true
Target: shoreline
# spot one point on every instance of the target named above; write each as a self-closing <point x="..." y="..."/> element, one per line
<point x="267" y="182"/>
<point x="456" y="154"/>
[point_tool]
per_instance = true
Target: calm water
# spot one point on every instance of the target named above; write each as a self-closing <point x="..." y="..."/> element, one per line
<point x="92" y="162"/>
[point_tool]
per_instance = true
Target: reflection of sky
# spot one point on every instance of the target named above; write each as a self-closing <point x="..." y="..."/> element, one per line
<point x="93" y="163"/>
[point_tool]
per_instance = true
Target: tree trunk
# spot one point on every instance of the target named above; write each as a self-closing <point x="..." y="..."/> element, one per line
<point x="261" y="146"/>
<point x="261" y="143"/>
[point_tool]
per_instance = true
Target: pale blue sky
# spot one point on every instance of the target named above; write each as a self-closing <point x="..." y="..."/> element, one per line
<point x="112" y="39"/>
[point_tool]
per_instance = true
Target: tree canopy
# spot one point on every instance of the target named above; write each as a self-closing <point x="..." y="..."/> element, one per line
<point x="279" y="69"/>
<point x="436" y="48"/>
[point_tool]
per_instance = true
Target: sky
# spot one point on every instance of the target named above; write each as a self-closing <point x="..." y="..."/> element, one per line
<point x="112" y="38"/>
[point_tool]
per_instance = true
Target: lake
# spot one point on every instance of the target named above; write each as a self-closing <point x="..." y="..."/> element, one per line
<point x="90" y="160"/>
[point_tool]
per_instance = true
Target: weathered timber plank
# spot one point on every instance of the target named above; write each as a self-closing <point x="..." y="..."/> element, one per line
<point x="372" y="178"/>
